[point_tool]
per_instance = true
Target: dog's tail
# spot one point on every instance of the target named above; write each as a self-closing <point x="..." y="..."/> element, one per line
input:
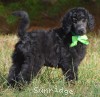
<point x="24" y="23"/>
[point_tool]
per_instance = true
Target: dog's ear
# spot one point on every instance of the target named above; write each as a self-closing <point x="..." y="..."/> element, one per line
<point x="91" y="21"/>
<point x="67" y="22"/>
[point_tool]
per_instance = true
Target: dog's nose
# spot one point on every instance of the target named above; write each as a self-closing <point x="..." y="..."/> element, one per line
<point x="81" y="31"/>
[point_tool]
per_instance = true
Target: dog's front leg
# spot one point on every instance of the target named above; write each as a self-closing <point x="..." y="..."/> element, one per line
<point x="70" y="69"/>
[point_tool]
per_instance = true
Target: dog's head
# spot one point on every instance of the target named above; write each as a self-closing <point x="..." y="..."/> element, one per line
<point x="77" y="20"/>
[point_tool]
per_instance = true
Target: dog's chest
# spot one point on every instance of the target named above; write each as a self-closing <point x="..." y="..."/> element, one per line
<point x="79" y="50"/>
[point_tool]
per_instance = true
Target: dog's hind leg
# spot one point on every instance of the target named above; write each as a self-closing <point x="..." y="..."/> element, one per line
<point x="26" y="70"/>
<point x="29" y="69"/>
<point x="15" y="68"/>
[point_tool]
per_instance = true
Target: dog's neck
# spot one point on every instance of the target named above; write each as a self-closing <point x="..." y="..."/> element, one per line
<point x="66" y="38"/>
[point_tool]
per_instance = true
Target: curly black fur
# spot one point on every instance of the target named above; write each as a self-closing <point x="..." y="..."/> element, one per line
<point x="49" y="48"/>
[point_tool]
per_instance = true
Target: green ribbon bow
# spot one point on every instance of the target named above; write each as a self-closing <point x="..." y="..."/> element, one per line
<point x="83" y="39"/>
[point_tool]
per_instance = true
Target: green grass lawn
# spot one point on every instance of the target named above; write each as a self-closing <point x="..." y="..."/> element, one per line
<point x="50" y="83"/>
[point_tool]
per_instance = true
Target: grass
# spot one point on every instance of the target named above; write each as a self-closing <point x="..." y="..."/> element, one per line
<point x="50" y="83"/>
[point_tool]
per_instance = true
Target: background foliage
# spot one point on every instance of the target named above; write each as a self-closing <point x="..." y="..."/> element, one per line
<point x="42" y="12"/>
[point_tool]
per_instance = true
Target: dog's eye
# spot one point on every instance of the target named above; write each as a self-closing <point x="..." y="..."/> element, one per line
<point x="74" y="20"/>
<point x="83" y="20"/>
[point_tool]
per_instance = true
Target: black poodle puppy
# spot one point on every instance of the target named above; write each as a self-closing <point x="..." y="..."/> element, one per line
<point x="63" y="47"/>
